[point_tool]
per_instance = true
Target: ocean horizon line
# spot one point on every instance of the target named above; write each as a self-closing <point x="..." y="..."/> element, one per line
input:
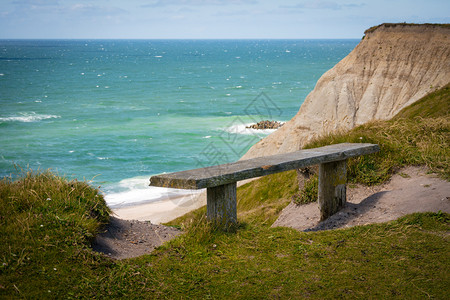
<point x="179" y="39"/>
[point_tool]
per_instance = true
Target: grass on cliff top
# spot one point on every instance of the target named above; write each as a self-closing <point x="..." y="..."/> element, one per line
<point x="374" y="28"/>
<point x="47" y="222"/>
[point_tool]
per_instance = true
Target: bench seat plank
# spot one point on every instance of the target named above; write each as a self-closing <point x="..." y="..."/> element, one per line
<point x="256" y="167"/>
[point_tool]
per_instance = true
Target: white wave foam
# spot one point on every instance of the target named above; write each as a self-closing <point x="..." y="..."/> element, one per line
<point x="234" y="87"/>
<point x="28" y="117"/>
<point x="136" y="190"/>
<point x="242" y="129"/>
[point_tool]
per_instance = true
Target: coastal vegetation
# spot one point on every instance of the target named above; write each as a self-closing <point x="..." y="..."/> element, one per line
<point x="48" y="222"/>
<point x="373" y="28"/>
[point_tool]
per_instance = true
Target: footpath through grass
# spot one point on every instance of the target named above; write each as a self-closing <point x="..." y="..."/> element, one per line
<point x="47" y="224"/>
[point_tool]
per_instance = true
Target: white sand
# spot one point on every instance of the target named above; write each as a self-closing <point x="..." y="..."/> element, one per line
<point x="166" y="210"/>
<point x="162" y="211"/>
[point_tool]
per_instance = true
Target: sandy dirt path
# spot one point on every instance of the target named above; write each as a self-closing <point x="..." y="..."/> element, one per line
<point x="410" y="190"/>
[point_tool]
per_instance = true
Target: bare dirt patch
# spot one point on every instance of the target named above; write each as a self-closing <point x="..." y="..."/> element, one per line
<point x="130" y="238"/>
<point x="410" y="190"/>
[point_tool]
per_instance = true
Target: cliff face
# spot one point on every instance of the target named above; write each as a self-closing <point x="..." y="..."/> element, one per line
<point x="392" y="67"/>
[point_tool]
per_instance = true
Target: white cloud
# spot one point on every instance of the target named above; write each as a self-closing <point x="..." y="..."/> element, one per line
<point x="36" y="2"/>
<point x="163" y="3"/>
<point x="233" y="13"/>
<point x="328" y="5"/>
<point x="90" y="9"/>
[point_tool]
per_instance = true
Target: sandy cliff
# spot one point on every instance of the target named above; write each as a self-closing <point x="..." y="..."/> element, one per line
<point x="393" y="66"/>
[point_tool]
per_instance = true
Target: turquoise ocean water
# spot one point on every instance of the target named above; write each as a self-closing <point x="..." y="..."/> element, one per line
<point x="114" y="112"/>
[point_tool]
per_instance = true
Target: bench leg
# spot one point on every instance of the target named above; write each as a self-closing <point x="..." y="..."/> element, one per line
<point x="221" y="205"/>
<point x="332" y="187"/>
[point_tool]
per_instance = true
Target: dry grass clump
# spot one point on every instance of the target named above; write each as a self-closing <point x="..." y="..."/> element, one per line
<point x="403" y="142"/>
<point x="417" y="141"/>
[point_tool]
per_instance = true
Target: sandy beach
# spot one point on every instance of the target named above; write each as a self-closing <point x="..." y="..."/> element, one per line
<point x="162" y="211"/>
<point x="168" y="209"/>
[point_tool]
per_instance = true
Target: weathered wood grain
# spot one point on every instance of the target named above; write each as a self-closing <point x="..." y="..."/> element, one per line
<point x="244" y="169"/>
<point x="332" y="188"/>
<point x="221" y="205"/>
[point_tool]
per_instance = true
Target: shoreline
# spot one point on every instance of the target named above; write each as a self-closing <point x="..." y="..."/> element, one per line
<point x="166" y="210"/>
<point x="161" y="211"/>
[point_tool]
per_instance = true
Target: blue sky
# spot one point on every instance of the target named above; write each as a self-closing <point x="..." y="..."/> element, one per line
<point x="206" y="19"/>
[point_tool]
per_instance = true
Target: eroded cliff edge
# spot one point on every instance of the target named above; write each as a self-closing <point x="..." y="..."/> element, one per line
<point x="393" y="66"/>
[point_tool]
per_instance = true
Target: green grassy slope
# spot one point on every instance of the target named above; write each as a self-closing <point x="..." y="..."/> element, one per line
<point x="434" y="105"/>
<point x="46" y="224"/>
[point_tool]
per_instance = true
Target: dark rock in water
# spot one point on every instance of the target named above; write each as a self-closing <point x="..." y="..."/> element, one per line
<point x="266" y="125"/>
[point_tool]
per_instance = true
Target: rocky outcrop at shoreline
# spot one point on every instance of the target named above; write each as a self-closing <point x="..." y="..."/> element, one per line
<point x="393" y="66"/>
<point x="266" y="125"/>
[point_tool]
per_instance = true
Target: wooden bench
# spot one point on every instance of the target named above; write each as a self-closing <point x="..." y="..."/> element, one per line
<point x="220" y="181"/>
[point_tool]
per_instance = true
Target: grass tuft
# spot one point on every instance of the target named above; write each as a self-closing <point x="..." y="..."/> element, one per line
<point x="47" y="223"/>
<point x="309" y="192"/>
<point x="416" y="141"/>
